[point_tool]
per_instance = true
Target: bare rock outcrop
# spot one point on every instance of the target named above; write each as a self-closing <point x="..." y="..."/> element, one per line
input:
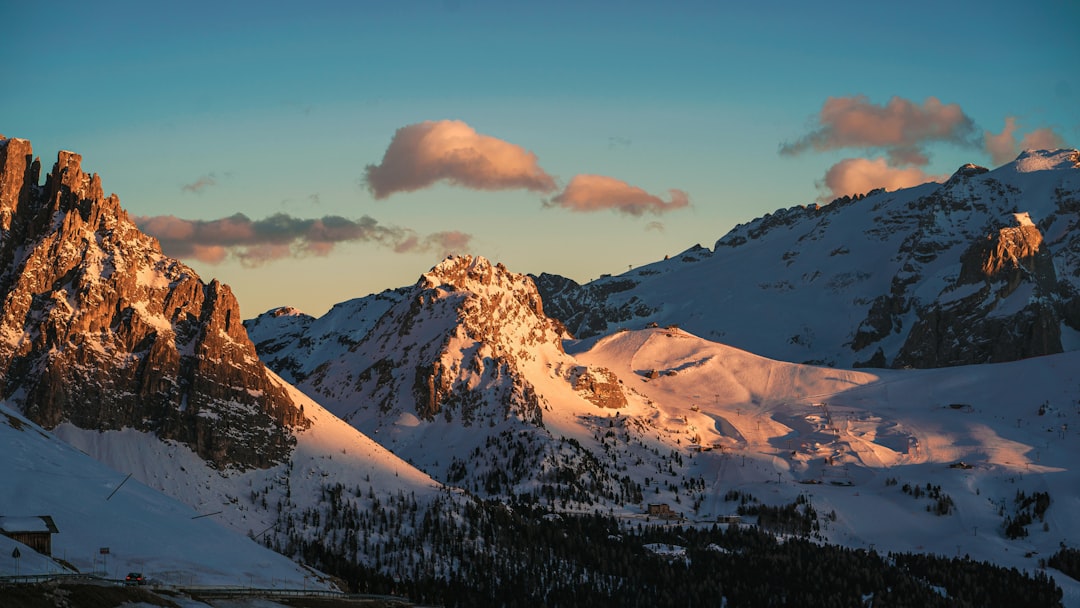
<point x="600" y="386"/>
<point x="98" y="328"/>
<point x="1002" y="307"/>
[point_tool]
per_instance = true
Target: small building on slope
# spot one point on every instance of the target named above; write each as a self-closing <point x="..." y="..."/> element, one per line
<point x="34" y="531"/>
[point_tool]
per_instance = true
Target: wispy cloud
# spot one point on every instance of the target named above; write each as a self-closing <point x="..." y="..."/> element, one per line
<point x="200" y="184"/>
<point x="1004" y="147"/>
<point x="254" y="242"/>
<point x="860" y="175"/>
<point x="599" y="192"/>
<point x="424" y="153"/>
<point x="900" y="128"/>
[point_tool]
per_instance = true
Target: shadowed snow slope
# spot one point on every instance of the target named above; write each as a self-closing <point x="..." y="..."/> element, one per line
<point x="332" y="466"/>
<point x="93" y="507"/>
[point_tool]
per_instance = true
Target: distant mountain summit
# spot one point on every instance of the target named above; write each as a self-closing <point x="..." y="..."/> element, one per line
<point x="982" y="268"/>
<point x="458" y="345"/>
<point x="461" y="374"/>
<point x="102" y="330"/>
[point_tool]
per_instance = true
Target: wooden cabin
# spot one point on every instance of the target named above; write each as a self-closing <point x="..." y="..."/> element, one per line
<point x="34" y="531"/>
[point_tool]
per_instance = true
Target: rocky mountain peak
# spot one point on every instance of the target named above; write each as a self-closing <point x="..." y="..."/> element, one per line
<point x="101" y="330"/>
<point x="472" y="325"/>
<point x="969" y="170"/>
<point x="1009" y="254"/>
<point x="477" y="275"/>
<point x="461" y="345"/>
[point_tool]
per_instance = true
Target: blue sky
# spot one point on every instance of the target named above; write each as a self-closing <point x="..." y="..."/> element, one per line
<point x="194" y="112"/>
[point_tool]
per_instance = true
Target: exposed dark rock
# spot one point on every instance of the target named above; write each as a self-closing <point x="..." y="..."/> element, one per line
<point x="1011" y="312"/>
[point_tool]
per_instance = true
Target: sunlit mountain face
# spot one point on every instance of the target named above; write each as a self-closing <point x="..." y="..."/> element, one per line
<point x="483" y="434"/>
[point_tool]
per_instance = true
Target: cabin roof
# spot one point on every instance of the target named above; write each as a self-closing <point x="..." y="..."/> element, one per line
<point x="27" y="523"/>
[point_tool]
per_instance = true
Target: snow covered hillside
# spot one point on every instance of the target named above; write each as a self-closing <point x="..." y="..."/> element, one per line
<point x="935" y="461"/>
<point x="982" y="268"/>
<point x="466" y="378"/>
<point x="93" y="507"/>
<point x="971" y="460"/>
<point x="327" y="494"/>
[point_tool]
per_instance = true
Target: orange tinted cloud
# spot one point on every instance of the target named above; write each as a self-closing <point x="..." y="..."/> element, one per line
<point x="422" y="154"/>
<point x="255" y="242"/>
<point x="900" y="127"/>
<point x="1042" y="139"/>
<point x="860" y="175"/>
<point x="598" y="192"/>
<point x="443" y="243"/>
<point x="1003" y="146"/>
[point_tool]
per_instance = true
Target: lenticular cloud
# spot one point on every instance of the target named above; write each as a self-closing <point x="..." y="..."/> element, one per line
<point x="598" y="192"/>
<point x="422" y="154"/>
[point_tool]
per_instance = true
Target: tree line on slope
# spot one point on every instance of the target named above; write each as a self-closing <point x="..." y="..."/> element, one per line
<point x="524" y="555"/>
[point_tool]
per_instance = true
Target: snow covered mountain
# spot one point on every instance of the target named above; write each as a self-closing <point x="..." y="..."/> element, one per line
<point x="957" y="457"/>
<point x="982" y="268"/>
<point x="294" y="343"/>
<point x="464" y="388"/>
<point x="464" y="376"/>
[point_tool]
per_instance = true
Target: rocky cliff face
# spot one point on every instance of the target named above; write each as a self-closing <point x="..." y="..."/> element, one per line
<point x="455" y="346"/>
<point x="99" y="328"/>
<point x="1005" y="304"/>
<point x="465" y="377"/>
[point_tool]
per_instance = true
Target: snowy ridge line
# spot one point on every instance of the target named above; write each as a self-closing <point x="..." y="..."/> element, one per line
<point x="982" y="268"/>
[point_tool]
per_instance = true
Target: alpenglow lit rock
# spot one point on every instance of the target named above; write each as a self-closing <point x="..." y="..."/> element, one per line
<point x="101" y="329"/>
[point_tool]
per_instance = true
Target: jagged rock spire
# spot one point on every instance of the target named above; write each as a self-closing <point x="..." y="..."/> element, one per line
<point x="100" y="329"/>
